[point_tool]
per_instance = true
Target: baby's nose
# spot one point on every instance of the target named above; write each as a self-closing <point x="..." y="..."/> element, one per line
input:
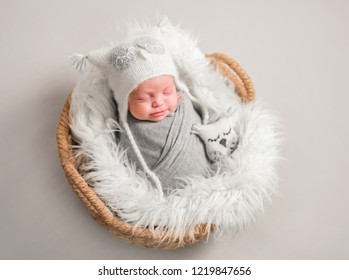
<point x="157" y="101"/>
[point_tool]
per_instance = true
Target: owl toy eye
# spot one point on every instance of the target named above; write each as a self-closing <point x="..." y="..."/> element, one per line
<point x="214" y="140"/>
<point x="227" y="133"/>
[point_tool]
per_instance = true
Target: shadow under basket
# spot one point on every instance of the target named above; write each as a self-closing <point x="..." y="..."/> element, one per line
<point x="99" y="210"/>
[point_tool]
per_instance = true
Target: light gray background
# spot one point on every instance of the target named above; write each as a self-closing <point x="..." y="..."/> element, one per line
<point x="295" y="51"/>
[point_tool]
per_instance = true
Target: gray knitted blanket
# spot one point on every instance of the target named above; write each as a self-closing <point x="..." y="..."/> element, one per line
<point x="169" y="148"/>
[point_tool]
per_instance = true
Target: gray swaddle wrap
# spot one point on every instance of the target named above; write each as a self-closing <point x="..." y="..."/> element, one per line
<point x="169" y="148"/>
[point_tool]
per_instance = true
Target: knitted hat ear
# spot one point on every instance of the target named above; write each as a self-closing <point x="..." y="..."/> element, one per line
<point x="97" y="58"/>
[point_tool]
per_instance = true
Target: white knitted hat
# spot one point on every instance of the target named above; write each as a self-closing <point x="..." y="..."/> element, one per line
<point x="127" y="66"/>
<point x="131" y="63"/>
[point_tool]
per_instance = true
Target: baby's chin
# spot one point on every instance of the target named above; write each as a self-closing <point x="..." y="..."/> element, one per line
<point x="157" y="119"/>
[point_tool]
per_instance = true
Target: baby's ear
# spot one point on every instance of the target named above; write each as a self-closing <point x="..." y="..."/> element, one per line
<point x="179" y="96"/>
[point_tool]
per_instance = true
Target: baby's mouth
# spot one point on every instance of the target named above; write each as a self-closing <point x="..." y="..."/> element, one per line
<point x="158" y="113"/>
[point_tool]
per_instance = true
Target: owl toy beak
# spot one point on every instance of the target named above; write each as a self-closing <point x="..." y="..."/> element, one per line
<point x="223" y="142"/>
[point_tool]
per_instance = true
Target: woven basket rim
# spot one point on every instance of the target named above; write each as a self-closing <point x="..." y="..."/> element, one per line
<point x="98" y="209"/>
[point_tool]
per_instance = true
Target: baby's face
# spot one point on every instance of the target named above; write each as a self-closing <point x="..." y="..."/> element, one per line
<point x="154" y="99"/>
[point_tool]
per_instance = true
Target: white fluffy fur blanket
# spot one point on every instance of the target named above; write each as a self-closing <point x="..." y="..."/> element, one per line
<point x="231" y="199"/>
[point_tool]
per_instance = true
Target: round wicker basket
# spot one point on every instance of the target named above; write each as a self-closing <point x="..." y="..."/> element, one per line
<point x="98" y="209"/>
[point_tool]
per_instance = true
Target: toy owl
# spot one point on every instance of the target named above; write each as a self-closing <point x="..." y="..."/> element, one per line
<point x="220" y="137"/>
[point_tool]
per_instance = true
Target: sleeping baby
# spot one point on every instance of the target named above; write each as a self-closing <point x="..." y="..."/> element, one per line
<point x="160" y="120"/>
<point x="155" y="117"/>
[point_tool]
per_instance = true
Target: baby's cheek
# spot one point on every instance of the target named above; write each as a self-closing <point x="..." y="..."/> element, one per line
<point x="174" y="103"/>
<point x="138" y="111"/>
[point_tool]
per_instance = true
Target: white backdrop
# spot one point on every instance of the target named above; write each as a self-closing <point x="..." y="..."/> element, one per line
<point x="297" y="55"/>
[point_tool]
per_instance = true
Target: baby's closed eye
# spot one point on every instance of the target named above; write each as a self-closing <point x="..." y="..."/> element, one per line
<point x="143" y="98"/>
